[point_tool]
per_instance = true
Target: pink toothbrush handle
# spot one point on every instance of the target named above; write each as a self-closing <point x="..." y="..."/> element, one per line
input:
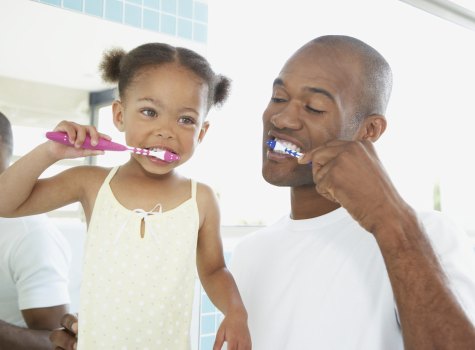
<point x="106" y="145"/>
<point x="103" y="145"/>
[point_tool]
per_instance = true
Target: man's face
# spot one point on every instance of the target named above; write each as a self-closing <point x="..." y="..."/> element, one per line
<point x="313" y="102"/>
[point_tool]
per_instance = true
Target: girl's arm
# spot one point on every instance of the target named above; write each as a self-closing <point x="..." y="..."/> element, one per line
<point x="216" y="278"/>
<point x="23" y="193"/>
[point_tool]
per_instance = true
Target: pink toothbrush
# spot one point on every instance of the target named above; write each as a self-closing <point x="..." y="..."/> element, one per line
<point x="106" y="145"/>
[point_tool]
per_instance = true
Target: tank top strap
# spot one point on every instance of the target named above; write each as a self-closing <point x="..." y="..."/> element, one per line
<point x="111" y="175"/>
<point x="193" y="189"/>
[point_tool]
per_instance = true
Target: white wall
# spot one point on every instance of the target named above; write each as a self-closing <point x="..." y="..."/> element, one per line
<point x="48" y="44"/>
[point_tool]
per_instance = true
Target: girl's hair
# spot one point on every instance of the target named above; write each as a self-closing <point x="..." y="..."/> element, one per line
<point x="120" y="67"/>
<point x="6" y="135"/>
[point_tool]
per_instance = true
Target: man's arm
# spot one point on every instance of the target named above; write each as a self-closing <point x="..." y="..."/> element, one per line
<point x="431" y="317"/>
<point x="40" y="322"/>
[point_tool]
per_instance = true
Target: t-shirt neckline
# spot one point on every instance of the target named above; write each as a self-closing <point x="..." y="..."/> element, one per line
<point x="316" y="222"/>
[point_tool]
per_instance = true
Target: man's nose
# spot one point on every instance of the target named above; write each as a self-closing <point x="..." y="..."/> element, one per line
<point x="288" y="118"/>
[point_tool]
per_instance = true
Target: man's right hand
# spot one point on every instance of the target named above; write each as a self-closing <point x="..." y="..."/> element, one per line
<point x="65" y="338"/>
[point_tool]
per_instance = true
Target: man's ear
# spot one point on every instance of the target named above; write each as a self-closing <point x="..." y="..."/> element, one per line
<point x="118" y="115"/>
<point x="204" y="129"/>
<point x="372" y="127"/>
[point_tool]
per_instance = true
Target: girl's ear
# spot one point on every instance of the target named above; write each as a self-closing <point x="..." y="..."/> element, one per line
<point x="118" y="115"/>
<point x="372" y="127"/>
<point x="204" y="129"/>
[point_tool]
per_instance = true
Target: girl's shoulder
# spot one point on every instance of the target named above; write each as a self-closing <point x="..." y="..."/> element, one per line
<point x="88" y="179"/>
<point x="205" y="196"/>
<point x="204" y="190"/>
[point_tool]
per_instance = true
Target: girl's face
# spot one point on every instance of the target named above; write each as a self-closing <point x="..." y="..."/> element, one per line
<point x="163" y="108"/>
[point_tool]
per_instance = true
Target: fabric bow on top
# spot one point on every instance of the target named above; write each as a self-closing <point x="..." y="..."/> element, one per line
<point x="145" y="216"/>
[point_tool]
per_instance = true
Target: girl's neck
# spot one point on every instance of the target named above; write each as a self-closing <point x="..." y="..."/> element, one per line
<point x="133" y="169"/>
<point x="134" y="187"/>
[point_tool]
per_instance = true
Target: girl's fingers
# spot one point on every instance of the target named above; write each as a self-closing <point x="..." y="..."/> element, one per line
<point x="92" y="131"/>
<point x="68" y="128"/>
<point x="81" y="133"/>
<point x="219" y="341"/>
<point x="77" y="134"/>
<point x="105" y="136"/>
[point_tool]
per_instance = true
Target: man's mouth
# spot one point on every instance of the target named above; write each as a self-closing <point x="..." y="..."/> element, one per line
<point x="288" y="145"/>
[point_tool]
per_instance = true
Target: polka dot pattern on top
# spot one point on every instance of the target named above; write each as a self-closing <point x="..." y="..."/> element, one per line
<point x="137" y="293"/>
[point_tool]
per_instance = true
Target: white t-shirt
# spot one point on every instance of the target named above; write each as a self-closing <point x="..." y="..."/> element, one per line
<point x="34" y="266"/>
<point x="321" y="283"/>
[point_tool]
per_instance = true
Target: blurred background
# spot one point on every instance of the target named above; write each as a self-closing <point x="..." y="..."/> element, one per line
<point x="51" y="49"/>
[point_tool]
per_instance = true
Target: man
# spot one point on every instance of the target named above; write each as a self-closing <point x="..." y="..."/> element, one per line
<point x="353" y="267"/>
<point x="34" y="267"/>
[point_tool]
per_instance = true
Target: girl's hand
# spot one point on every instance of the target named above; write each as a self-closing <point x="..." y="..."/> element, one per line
<point x="77" y="134"/>
<point x="235" y="332"/>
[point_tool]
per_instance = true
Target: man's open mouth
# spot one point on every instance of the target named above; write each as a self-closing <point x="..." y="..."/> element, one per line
<point x="287" y="144"/>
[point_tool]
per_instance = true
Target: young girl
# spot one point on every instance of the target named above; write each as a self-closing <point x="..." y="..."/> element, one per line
<point x="147" y="225"/>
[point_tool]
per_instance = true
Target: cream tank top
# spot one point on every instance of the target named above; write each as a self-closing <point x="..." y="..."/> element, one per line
<point x="137" y="292"/>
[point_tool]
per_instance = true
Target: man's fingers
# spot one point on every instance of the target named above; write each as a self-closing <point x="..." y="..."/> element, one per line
<point x="63" y="339"/>
<point x="69" y="322"/>
<point x="321" y="155"/>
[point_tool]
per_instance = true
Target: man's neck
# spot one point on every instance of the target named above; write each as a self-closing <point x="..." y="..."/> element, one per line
<point x="306" y="203"/>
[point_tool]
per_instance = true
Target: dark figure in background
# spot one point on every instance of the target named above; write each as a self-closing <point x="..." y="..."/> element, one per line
<point x="34" y="267"/>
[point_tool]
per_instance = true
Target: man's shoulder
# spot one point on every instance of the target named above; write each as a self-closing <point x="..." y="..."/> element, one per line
<point x="256" y="239"/>
<point x="445" y="234"/>
<point x="38" y="238"/>
<point x="436" y="222"/>
<point x="16" y="231"/>
<point x="41" y="228"/>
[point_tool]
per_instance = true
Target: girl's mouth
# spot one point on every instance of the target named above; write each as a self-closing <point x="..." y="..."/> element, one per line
<point x="163" y="153"/>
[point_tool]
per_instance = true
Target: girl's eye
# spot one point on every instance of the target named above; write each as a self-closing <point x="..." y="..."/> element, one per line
<point x="149" y="113"/>
<point x="277" y="99"/>
<point x="186" y="120"/>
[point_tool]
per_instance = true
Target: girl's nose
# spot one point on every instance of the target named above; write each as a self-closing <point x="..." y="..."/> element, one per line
<point x="164" y="134"/>
<point x="164" y="129"/>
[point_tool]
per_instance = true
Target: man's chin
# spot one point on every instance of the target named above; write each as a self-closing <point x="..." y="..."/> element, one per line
<point x="283" y="179"/>
<point x="288" y="177"/>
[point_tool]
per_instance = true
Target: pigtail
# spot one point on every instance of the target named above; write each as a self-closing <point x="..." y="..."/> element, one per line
<point x="221" y="89"/>
<point x="118" y="66"/>
<point x="110" y="65"/>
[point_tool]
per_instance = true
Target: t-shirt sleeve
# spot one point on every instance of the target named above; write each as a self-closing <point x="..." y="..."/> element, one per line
<point x="456" y="254"/>
<point x="40" y="267"/>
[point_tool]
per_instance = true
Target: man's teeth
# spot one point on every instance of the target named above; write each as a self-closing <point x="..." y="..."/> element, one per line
<point x="286" y="144"/>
